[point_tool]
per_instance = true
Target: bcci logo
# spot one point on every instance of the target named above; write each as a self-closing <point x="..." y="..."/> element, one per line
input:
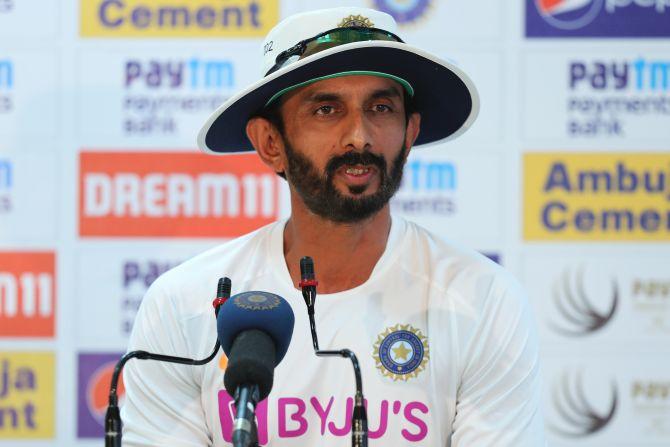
<point x="356" y="20"/>
<point x="403" y="11"/>
<point x="401" y="352"/>
<point x="569" y="14"/>
<point x="256" y="300"/>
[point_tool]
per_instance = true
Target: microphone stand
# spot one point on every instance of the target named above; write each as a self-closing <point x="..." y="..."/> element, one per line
<point x="113" y="425"/>
<point x="359" y="418"/>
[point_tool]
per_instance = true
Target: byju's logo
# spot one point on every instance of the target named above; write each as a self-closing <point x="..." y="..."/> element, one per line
<point x="428" y="188"/>
<point x="575" y="408"/>
<point x="579" y="315"/>
<point x="597" y="18"/>
<point x="299" y="417"/>
<point x="6" y="84"/>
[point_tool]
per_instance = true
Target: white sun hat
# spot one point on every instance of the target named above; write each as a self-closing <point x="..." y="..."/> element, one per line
<point x="322" y="44"/>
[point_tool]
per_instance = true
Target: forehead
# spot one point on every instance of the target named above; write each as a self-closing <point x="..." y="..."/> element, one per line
<point x="353" y="86"/>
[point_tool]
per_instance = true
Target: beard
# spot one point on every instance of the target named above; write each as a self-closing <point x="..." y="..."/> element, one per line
<point x="318" y="190"/>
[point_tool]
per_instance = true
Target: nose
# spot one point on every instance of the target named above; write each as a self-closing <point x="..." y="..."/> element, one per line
<point x="356" y="134"/>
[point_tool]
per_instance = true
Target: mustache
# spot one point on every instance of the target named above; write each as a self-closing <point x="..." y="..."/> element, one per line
<point x="352" y="158"/>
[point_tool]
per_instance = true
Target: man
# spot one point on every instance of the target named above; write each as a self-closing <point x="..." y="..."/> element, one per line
<point x="444" y="336"/>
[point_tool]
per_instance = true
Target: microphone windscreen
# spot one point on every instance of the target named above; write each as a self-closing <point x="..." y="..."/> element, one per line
<point x="306" y="268"/>
<point x="251" y="361"/>
<point x="264" y="311"/>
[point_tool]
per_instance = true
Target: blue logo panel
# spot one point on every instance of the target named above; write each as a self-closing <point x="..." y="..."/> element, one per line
<point x="598" y="18"/>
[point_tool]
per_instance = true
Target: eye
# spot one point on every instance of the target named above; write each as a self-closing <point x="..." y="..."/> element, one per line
<point x="382" y="108"/>
<point x="325" y="110"/>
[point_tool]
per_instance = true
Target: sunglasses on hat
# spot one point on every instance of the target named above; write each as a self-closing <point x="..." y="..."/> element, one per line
<point x="329" y="39"/>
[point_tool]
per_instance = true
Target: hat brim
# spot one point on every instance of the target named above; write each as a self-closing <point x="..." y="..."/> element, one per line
<point x="444" y="95"/>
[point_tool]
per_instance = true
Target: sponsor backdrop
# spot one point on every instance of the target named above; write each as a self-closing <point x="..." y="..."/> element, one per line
<point x="564" y="179"/>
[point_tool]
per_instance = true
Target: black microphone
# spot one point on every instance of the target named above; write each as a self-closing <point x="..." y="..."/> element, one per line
<point x="359" y="417"/>
<point x="255" y="330"/>
<point x="113" y="424"/>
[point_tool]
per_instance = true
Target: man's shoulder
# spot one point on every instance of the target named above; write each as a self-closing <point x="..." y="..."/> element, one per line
<point x="233" y="258"/>
<point x="460" y="272"/>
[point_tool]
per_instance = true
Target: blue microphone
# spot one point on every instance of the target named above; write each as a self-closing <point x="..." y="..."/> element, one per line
<point x="254" y="329"/>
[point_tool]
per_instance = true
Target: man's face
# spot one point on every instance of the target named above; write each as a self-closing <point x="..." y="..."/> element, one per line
<point x="345" y="145"/>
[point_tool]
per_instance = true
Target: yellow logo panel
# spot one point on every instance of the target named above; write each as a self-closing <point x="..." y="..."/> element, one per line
<point x="177" y="18"/>
<point x="26" y="395"/>
<point x="596" y="196"/>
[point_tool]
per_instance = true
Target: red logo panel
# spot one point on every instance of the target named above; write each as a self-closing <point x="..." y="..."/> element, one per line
<point x="27" y="294"/>
<point x="174" y="194"/>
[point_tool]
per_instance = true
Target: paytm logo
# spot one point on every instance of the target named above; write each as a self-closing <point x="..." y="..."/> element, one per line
<point x="194" y="74"/>
<point x="6" y="74"/>
<point x="638" y="75"/>
<point x="27" y="294"/>
<point x="5" y="175"/>
<point x="6" y="181"/>
<point x="174" y="194"/>
<point x="430" y="176"/>
<point x="6" y="85"/>
<point x="137" y="277"/>
<point x="6" y="6"/>
<point x="428" y="188"/>
<point x="177" y="18"/>
<point x="597" y="18"/>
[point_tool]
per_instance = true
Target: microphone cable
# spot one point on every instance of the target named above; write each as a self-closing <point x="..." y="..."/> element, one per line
<point x="113" y="425"/>
<point x="359" y="417"/>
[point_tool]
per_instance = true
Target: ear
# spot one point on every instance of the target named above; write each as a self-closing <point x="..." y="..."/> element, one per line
<point x="413" y="128"/>
<point x="268" y="142"/>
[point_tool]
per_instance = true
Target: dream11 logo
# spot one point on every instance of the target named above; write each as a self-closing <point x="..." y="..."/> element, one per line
<point x="597" y="18"/>
<point x="27" y="294"/>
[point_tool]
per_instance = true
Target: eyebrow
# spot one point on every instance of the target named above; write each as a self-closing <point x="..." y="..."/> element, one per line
<point x="390" y="92"/>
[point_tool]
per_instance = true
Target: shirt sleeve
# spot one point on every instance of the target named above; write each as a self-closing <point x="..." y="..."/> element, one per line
<point x="162" y="402"/>
<point x="498" y="399"/>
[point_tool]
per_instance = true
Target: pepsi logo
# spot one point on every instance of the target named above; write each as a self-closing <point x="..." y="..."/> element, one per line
<point x="97" y="392"/>
<point x="569" y="14"/>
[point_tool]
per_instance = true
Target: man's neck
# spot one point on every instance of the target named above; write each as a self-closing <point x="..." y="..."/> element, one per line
<point x="344" y="254"/>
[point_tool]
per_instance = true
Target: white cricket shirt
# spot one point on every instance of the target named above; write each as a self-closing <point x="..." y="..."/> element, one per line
<point x="445" y="340"/>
